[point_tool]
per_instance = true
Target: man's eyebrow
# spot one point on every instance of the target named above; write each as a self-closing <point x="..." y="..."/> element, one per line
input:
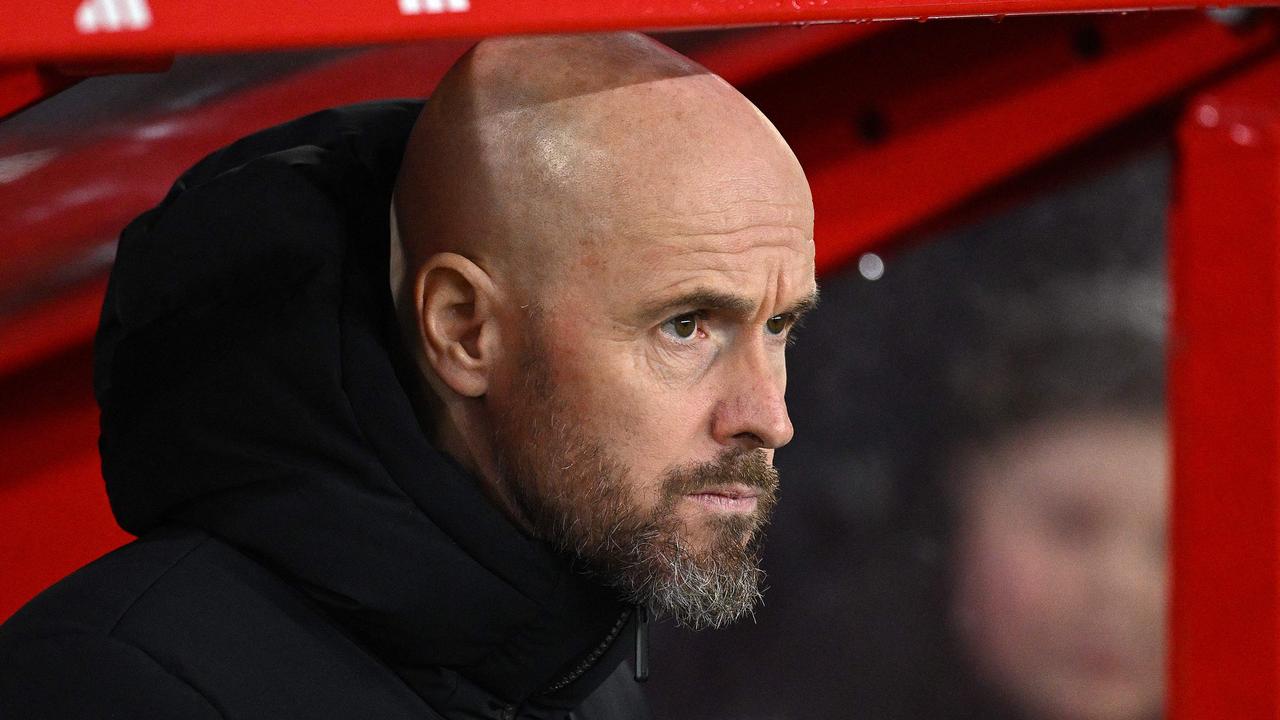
<point x="702" y="299"/>
<point x="707" y="299"/>
<point x="803" y="305"/>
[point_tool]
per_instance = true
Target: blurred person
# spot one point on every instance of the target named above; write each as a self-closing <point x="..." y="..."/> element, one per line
<point x="417" y="411"/>
<point x="1058" y="475"/>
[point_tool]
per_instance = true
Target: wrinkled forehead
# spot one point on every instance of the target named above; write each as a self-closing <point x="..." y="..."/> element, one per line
<point x="729" y="225"/>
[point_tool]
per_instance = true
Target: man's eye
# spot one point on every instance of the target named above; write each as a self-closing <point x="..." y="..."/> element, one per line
<point x="682" y="326"/>
<point x="777" y="324"/>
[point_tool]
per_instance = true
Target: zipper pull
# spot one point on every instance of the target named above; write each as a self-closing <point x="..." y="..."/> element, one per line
<point x="642" y="643"/>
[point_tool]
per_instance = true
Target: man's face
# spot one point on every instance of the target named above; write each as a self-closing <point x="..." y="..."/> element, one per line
<point x="638" y="428"/>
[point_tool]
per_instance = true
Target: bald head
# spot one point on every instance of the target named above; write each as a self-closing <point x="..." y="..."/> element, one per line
<point x="605" y="249"/>
<point x="537" y="151"/>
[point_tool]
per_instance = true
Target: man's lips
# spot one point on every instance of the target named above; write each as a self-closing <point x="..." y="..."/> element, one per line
<point x="727" y="498"/>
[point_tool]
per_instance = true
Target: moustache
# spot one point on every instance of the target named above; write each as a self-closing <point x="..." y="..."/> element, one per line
<point x="746" y="468"/>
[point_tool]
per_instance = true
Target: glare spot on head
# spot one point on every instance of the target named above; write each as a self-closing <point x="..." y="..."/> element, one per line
<point x="554" y="151"/>
<point x="871" y="266"/>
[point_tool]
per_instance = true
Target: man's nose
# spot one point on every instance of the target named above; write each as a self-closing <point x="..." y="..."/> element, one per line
<point x="752" y="413"/>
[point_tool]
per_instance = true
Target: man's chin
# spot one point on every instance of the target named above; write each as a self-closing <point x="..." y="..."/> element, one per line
<point x="703" y="533"/>
<point x="703" y="582"/>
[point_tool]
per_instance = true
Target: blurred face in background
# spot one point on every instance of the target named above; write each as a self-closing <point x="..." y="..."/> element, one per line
<point x="1061" y="567"/>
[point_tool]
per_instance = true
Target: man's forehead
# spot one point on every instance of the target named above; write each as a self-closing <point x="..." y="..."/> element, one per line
<point x="763" y="268"/>
<point x="785" y="247"/>
<point x="727" y="214"/>
<point x="704" y="191"/>
<point x="665" y="240"/>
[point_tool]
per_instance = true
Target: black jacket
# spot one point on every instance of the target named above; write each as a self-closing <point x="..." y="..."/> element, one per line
<point x="304" y="552"/>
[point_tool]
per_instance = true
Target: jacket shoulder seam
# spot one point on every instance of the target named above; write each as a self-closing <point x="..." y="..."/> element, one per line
<point x="111" y="631"/>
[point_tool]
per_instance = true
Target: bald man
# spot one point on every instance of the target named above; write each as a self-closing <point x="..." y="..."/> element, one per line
<point x="418" y="413"/>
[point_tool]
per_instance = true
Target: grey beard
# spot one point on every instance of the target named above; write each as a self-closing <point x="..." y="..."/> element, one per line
<point x="698" y="594"/>
<point x="578" y="496"/>
<point x="644" y="556"/>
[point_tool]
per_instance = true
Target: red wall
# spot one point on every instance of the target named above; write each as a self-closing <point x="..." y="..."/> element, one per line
<point x="53" y="508"/>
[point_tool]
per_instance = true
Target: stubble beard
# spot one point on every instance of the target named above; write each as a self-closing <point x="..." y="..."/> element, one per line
<point x="578" y="496"/>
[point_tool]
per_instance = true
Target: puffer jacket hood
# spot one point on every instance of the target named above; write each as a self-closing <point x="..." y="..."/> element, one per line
<point x="252" y="384"/>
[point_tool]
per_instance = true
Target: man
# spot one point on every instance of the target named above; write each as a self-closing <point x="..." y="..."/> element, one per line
<point x="455" y="498"/>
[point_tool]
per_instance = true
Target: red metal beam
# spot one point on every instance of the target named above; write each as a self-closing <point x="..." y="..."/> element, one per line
<point x="1033" y="92"/>
<point x="1225" y="391"/>
<point x="48" y="328"/>
<point x="108" y="28"/>
<point x="748" y="57"/>
<point x="24" y="85"/>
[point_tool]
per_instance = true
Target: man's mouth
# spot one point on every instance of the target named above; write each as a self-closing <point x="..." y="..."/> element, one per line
<point x="727" y="498"/>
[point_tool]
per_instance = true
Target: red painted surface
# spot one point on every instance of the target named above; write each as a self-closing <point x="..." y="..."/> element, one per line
<point x="1008" y="101"/>
<point x="745" y="59"/>
<point x="48" y="30"/>
<point x="1225" y="362"/>
<point x="50" y="328"/>
<point x="28" y="84"/>
<point x="52" y="497"/>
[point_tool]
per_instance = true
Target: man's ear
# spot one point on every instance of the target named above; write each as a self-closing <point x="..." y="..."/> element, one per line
<point x="456" y="303"/>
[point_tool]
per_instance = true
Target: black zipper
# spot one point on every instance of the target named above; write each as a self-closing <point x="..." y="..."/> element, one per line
<point x="642" y="644"/>
<point x="598" y="652"/>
